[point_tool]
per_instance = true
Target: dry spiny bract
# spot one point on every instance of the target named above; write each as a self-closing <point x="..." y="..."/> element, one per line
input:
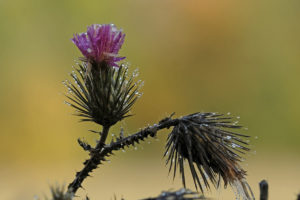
<point x="211" y="150"/>
<point x="58" y="193"/>
<point x="104" y="95"/>
<point x="182" y="194"/>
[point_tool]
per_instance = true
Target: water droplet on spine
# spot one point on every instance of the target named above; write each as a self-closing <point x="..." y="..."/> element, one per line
<point x="67" y="103"/>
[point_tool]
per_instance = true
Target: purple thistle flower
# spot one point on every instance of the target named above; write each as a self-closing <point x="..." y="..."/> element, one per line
<point x="101" y="43"/>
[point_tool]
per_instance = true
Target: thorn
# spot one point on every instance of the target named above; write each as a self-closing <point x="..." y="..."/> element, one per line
<point x="94" y="131"/>
<point x="112" y="141"/>
<point x="122" y="133"/>
<point x="81" y="187"/>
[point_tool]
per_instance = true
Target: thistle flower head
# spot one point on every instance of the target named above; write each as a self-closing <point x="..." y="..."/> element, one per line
<point x="101" y="44"/>
<point x="211" y="150"/>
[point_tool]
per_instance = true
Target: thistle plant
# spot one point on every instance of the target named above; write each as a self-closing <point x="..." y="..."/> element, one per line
<point x="102" y="90"/>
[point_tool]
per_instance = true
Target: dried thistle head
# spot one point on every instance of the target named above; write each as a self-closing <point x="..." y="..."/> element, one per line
<point x="105" y="96"/>
<point x="211" y="149"/>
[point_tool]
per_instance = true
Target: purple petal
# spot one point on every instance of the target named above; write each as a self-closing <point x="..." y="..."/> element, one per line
<point x="101" y="43"/>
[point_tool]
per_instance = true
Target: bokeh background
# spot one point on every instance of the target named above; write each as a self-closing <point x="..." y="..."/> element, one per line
<point x="194" y="55"/>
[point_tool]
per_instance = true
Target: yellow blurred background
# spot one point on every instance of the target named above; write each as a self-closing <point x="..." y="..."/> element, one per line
<point x="194" y="55"/>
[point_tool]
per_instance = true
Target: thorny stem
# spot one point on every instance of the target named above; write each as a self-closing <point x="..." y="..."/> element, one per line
<point x="141" y="135"/>
<point x="263" y="186"/>
<point x="102" y="150"/>
<point x="91" y="164"/>
<point x="103" y="137"/>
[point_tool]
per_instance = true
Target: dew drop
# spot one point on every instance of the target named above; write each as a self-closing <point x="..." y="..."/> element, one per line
<point x="135" y="73"/>
<point x="140" y="85"/>
<point x="228" y="137"/>
<point x="67" y="103"/>
<point x="135" y="148"/>
<point x="228" y="113"/>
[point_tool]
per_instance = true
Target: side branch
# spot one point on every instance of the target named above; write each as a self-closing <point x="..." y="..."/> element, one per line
<point x="209" y="127"/>
<point x="139" y="136"/>
<point x="101" y="151"/>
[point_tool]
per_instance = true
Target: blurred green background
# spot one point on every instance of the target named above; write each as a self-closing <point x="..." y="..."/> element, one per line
<point x="194" y="55"/>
